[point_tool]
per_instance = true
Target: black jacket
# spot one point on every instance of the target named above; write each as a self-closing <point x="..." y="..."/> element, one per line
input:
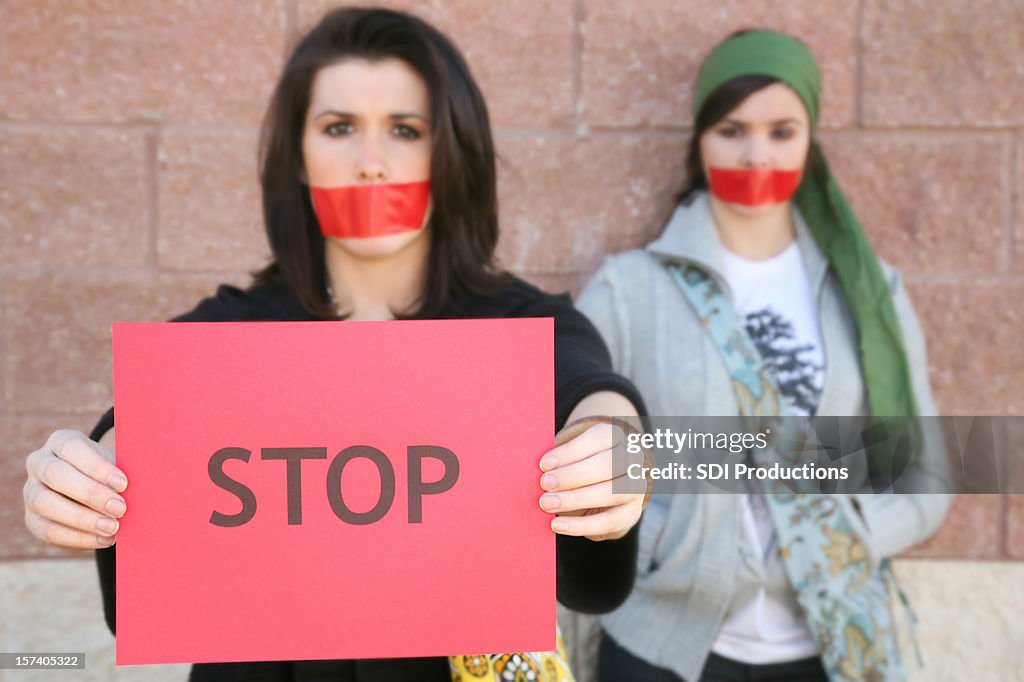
<point x="593" y="577"/>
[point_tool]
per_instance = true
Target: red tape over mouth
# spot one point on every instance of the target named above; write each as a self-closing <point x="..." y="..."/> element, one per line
<point x="753" y="187"/>
<point x="371" y="210"/>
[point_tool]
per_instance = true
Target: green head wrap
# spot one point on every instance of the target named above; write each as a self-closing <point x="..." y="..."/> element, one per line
<point x="830" y="219"/>
<point x="761" y="53"/>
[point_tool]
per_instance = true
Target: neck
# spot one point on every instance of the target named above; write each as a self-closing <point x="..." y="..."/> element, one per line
<point x="754" y="236"/>
<point x="367" y="288"/>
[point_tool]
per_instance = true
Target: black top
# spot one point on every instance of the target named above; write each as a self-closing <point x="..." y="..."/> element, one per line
<point x="593" y="577"/>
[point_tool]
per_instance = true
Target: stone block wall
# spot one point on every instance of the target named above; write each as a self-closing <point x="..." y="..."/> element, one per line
<point x="128" y="175"/>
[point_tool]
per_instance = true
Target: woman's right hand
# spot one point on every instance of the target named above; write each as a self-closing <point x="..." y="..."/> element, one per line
<point x="72" y="495"/>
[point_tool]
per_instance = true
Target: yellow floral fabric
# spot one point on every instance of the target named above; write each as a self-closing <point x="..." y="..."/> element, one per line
<point x="532" y="666"/>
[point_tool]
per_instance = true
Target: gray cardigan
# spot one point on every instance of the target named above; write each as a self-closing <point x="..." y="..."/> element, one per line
<point x="692" y="567"/>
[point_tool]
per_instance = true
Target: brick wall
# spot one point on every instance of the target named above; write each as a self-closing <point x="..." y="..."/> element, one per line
<point x="128" y="173"/>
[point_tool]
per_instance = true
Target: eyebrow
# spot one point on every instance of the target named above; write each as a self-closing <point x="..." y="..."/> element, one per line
<point x="348" y="114"/>
<point x="410" y="115"/>
<point x="743" y="124"/>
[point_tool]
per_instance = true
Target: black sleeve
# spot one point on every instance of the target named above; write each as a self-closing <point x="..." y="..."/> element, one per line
<point x="105" y="558"/>
<point x="596" y="577"/>
<point x="582" y="363"/>
<point x="593" y="577"/>
<point x="259" y="302"/>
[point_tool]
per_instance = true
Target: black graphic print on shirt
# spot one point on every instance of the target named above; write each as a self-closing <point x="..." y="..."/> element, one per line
<point x="798" y="378"/>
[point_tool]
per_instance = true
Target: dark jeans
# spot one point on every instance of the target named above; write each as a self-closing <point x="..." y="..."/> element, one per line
<point x="615" y="664"/>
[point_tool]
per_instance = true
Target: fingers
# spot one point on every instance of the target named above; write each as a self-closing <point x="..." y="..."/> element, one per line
<point x="51" y="506"/>
<point x="63" y="536"/>
<point x="594" y="469"/>
<point x="597" y="496"/>
<point x="595" y="439"/>
<point x="607" y="524"/>
<point x="72" y="492"/>
<point x="579" y="476"/>
<point x="88" y="456"/>
<point x="586" y="464"/>
<point x="61" y="477"/>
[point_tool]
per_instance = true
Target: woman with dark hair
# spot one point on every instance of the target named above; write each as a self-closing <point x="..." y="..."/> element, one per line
<point x="764" y="298"/>
<point x="463" y="224"/>
<point x="378" y="179"/>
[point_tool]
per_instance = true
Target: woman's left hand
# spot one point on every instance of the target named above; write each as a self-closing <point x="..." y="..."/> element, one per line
<point x="578" y="476"/>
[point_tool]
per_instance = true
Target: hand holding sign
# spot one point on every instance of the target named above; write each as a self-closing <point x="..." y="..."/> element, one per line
<point x="580" y="470"/>
<point x="72" y="495"/>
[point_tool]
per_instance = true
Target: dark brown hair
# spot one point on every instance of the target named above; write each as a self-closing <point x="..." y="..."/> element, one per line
<point x="718" y="105"/>
<point x="464" y="218"/>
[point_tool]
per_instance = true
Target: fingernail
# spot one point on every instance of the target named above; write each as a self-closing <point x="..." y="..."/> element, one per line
<point x="115" y="507"/>
<point x="108" y="526"/>
<point x="548" y="482"/>
<point x="118" y="482"/>
<point x="548" y="462"/>
<point x="550" y="502"/>
<point x="104" y="540"/>
<point x="558" y="525"/>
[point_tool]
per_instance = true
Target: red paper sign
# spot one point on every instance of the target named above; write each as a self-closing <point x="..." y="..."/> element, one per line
<point x="292" y="496"/>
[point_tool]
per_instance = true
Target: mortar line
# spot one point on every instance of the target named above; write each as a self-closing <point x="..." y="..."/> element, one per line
<point x="579" y="16"/>
<point x="153" y="139"/>
<point x="859" y="66"/>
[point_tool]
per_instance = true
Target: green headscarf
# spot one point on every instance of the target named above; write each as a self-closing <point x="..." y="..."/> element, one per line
<point x="830" y="219"/>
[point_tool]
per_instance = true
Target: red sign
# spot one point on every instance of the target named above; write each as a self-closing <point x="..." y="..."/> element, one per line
<point x="322" y="490"/>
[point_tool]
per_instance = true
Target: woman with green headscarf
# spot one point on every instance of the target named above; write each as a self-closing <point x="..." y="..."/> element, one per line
<point x="765" y="266"/>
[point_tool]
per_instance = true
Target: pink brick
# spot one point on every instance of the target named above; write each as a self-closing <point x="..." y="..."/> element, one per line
<point x="59" y="332"/>
<point x="931" y="203"/>
<point x="520" y="53"/>
<point x="947" y="63"/>
<point x="210" y="207"/>
<point x="975" y="353"/>
<point x="973" y="530"/>
<point x="1015" y="526"/>
<point x="5" y="326"/>
<point x="640" y="60"/>
<point x="150" y="60"/>
<point x="567" y="202"/>
<point x="73" y="197"/>
<point x="1018" y="207"/>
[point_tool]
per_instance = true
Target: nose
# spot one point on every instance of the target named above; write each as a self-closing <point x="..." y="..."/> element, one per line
<point x="756" y="153"/>
<point x="371" y="164"/>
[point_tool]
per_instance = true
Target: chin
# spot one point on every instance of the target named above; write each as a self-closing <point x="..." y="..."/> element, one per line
<point x="378" y="247"/>
<point x="755" y="211"/>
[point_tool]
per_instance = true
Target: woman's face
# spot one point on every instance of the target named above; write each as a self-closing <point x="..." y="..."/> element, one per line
<point x="368" y="122"/>
<point x="769" y="130"/>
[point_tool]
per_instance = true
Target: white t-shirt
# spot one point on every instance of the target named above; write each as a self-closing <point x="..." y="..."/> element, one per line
<point x="774" y="299"/>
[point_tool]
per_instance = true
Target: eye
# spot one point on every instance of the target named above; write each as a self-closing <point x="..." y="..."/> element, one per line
<point x="407" y="132"/>
<point x="339" y="129"/>
<point x="785" y="133"/>
<point x="729" y="131"/>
